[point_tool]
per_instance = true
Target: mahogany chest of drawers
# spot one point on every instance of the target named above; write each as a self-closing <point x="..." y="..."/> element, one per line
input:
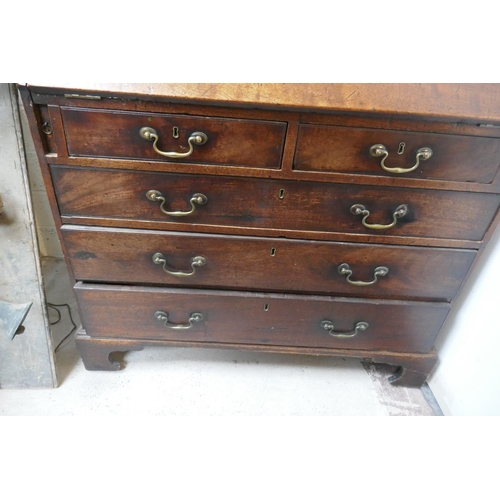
<point x="279" y="218"/>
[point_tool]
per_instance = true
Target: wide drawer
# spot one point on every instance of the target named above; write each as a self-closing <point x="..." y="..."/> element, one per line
<point x="276" y="204"/>
<point x="113" y="134"/>
<point x="267" y="264"/>
<point x="347" y="150"/>
<point x="271" y="319"/>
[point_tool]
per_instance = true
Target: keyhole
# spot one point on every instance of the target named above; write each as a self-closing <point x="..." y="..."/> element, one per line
<point x="401" y="148"/>
<point x="273" y="252"/>
<point x="281" y="194"/>
<point x="175" y="132"/>
<point x="266" y="307"/>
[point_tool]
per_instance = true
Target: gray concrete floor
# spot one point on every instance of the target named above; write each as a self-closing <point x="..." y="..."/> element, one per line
<point x="201" y="382"/>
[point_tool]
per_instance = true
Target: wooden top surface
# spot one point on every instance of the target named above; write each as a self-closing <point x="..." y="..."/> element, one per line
<point x="447" y="100"/>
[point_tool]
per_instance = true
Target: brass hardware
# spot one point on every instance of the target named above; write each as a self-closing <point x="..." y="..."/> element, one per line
<point x="400" y="211"/>
<point x="380" y="150"/>
<point x="346" y="271"/>
<point x="401" y="148"/>
<point x="79" y="96"/>
<point x="46" y="128"/>
<point x="175" y="132"/>
<point x="358" y="327"/>
<point x="159" y="258"/>
<point x="194" y="318"/>
<point x="266" y="307"/>
<point x="197" y="198"/>
<point x="281" y="194"/>
<point x="273" y="252"/>
<point x="198" y="138"/>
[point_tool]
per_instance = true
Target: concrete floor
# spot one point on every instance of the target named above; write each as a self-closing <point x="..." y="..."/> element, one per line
<point x="202" y="382"/>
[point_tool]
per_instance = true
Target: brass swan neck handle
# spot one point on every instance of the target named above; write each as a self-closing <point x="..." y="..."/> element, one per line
<point x="196" y="138"/>
<point x="378" y="150"/>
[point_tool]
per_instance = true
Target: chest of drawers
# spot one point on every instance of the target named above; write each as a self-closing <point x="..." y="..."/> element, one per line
<point x="278" y="218"/>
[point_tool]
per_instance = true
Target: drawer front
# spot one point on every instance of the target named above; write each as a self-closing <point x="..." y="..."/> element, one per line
<point x="347" y="150"/>
<point x="271" y="319"/>
<point x="267" y="264"/>
<point x="257" y="203"/>
<point x="249" y="143"/>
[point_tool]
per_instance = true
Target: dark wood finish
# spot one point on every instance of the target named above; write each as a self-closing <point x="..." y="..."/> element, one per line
<point x="372" y="120"/>
<point x="286" y="174"/>
<point x="289" y="149"/>
<point x="271" y="264"/>
<point x="230" y="142"/>
<point x="235" y="202"/>
<point x="61" y="148"/>
<point x="386" y="123"/>
<point x="299" y="139"/>
<point x="272" y="232"/>
<point x="435" y="100"/>
<point x="47" y="139"/>
<point x="411" y="369"/>
<point x="332" y="117"/>
<point x="293" y="320"/>
<point x="345" y="149"/>
<point x="100" y="355"/>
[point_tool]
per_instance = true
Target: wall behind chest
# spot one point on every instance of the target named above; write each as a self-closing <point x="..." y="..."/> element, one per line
<point x="467" y="378"/>
<point x="27" y="360"/>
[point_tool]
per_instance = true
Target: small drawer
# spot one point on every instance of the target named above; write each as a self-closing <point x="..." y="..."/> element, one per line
<point x="223" y="202"/>
<point x="348" y="150"/>
<point x="113" y="134"/>
<point x="270" y="319"/>
<point x="267" y="264"/>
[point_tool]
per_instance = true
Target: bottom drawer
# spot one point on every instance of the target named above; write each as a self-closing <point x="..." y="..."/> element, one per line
<point x="255" y="318"/>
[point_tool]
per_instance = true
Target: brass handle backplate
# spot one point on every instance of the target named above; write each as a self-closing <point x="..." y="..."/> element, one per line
<point x="163" y="317"/>
<point x="378" y="150"/>
<point x="196" y="199"/>
<point x="400" y="211"/>
<point x="150" y="134"/>
<point x="159" y="258"/>
<point x="346" y="271"/>
<point x="361" y="326"/>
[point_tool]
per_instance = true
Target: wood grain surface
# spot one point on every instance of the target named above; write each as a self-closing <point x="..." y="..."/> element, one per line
<point x="347" y="150"/>
<point x="267" y="264"/>
<point x="447" y="100"/>
<point x="271" y="319"/>
<point x="274" y="232"/>
<point x="259" y="203"/>
<point x="411" y="369"/>
<point x="250" y="143"/>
